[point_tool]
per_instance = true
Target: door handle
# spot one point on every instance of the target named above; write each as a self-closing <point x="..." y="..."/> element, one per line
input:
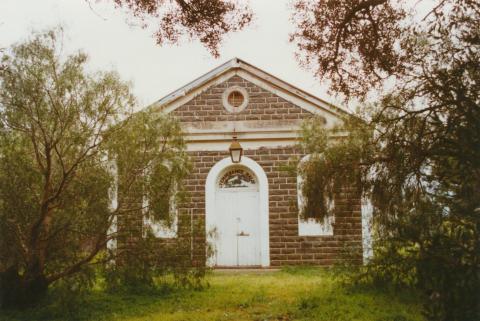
<point x="242" y="233"/>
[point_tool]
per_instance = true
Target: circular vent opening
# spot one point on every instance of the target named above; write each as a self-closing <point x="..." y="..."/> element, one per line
<point x="235" y="99"/>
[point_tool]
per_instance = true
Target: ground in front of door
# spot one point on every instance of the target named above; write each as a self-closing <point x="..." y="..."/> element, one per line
<point x="288" y="294"/>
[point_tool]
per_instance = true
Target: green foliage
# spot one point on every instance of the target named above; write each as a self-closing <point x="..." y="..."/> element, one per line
<point x="148" y="265"/>
<point x="293" y="294"/>
<point x="54" y="121"/>
<point x="73" y="291"/>
<point x="426" y="227"/>
<point x="417" y="153"/>
<point x="321" y="175"/>
<point x="151" y="164"/>
<point x="69" y="145"/>
<point x="151" y="161"/>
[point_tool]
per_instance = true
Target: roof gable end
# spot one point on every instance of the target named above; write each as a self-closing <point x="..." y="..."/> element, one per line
<point x="253" y="74"/>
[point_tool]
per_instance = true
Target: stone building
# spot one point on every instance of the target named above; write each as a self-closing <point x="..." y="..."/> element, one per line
<point x="249" y="211"/>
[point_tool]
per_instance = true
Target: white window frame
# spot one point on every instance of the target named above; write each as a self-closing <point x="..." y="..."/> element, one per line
<point x="227" y="105"/>
<point x="159" y="228"/>
<point x="113" y="195"/>
<point x="310" y="226"/>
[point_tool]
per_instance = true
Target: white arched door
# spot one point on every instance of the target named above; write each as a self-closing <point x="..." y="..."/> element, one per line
<point x="237" y="218"/>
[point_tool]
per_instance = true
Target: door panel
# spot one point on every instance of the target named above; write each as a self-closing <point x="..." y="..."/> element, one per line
<point x="237" y="221"/>
<point x="248" y="237"/>
<point x="225" y="245"/>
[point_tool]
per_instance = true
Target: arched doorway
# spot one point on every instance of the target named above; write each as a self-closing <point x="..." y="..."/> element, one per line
<point x="237" y="217"/>
<point x="237" y="214"/>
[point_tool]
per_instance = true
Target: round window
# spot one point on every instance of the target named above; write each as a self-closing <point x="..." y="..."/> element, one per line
<point x="235" y="99"/>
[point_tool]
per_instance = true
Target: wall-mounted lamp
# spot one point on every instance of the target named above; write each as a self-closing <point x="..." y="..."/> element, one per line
<point x="236" y="150"/>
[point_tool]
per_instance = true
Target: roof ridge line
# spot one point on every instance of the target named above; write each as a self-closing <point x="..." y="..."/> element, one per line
<point x="237" y="63"/>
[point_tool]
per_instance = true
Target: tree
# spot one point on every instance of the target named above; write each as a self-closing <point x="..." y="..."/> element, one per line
<point x="61" y="131"/>
<point x="207" y="20"/>
<point x="416" y="150"/>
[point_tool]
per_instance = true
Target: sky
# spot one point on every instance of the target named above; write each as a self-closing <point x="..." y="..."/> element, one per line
<point x="113" y="41"/>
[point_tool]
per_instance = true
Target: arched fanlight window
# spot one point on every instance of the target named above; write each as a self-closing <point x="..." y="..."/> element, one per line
<point x="237" y="177"/>
<point x="307" y="225"/>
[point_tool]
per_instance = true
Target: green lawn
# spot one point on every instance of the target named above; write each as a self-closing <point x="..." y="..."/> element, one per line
<point x="292" y="294"/>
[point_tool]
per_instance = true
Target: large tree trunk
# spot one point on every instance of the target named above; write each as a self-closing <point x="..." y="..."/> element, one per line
<point x="21" y="290"/>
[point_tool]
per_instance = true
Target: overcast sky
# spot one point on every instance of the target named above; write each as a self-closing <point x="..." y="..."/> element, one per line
<point x="105" y="34"/>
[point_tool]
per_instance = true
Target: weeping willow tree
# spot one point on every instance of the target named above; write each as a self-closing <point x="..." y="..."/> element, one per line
<point x="414" y="148"/>
<point x="329" y="150"/>
<point x="150" y="163"/>
<point x="61" y="129"/>
<point x="421" y="176"/>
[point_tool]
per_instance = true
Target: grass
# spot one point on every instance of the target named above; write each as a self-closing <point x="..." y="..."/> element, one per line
<point x="290" y="294"/>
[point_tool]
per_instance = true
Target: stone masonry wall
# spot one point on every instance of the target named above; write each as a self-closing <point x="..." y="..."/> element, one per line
<point x="262" y="105"/>
<point x="286" y="246"/>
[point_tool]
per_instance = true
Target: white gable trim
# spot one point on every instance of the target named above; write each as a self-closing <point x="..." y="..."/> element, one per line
<point x="195" y="83"/>
<point x="292" y="90"/>
<point x="297" y="101"/>
<point x="253" y="74"/>
<point x="181" y="100"/>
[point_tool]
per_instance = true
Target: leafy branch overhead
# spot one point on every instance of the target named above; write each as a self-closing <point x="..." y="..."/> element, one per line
<point x="205" y="20"/>
<point x="352" y="43"/>
<point x="359" y="44"/>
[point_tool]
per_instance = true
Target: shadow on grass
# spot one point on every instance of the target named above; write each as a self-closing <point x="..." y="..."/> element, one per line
<point x="98" y="305"/>
<point x="290" y="294"/>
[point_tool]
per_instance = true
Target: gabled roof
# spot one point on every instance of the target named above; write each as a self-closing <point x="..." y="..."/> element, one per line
<point x="178" y="97"/>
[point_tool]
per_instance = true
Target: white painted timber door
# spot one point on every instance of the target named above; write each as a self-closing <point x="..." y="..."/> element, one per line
<point x="237" y="220"/>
